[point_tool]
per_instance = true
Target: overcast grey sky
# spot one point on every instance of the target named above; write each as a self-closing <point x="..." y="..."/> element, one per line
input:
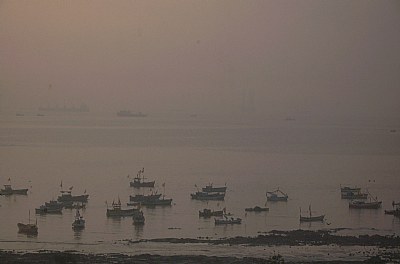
<point x="334" y="58"/>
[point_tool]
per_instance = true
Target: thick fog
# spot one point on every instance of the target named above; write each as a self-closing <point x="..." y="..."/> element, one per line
<point x="337" y="59"/>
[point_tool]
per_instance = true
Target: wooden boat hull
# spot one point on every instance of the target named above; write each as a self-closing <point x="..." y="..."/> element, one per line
<point x="366" y="205"/>
<point x="78" y="224"/>
<point x="257" y="209"/>
<point x="318" y="218"/>
<point x="73" y="198"/>
<point x="208" y="196"/>
<point x="46" y="210"/>
<point x="393" y="212"/>
<point x="142" y="184"/>
<point x="158" y="202"/>
<point x="30" y="229"/>
<point x="277" y="196"/>
<point x="209" y="188"/>
<point x="350" y="189"/>
<point x="351" y="195"/>
<point x="120" y="212"/>
<point x="14" y="191"/>
<point x="141" y="198"/>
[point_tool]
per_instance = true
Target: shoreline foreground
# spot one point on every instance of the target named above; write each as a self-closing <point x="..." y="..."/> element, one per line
<point x="55" y="257"/>
<point x="389" y="250"/>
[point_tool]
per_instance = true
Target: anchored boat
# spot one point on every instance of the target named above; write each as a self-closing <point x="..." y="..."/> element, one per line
<point x="352" y="193"/>
<point x="29" y="229"/>
<point x="373" y="203"/>
<point x="356" y="204"/>
<point x="79" y="222"/>
<point x="9" y="191"/>
<point x="66" y="196"/>
<point x="117" y="211"/>
<point x="139" y="181"/>
<point x="211" y="188"/>
<point x="395" y="211"/>
<point x="141" y="198"/>
<point x="225" y="220"/>
<point x="257" y="209"/>
<point x="52" y="207"/>
<point x="205" y="196"/>
<point x="157" y="202"/>
<point x="311" y="218"/>
<point x="277" y="196"/>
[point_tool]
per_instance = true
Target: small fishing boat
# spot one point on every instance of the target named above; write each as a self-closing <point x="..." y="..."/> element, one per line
<point x="357" y="204"/>
<point x="206" y="196"/>
<point x="157" y="202"/>
<point x="346" y="189"/>
<point x="311" y="218"/>
<point x="257" y="209"/>
<point x="225" y="220"/>
<point x="66" y="196"/>
<point x="395" y="211"/>
<point x="373" y="203"/>
<point x="8" y="190"/>
<point x="211" y="188"/>
<point x="207" y="213"/>
<point x="141" y="197"/>
<point x="139" y="181"/>
<point x="51" y="207"/>
<point x="29" y="229"/>
<point x="138" y="218"/>
<point x="79" y="222"/>
<point x="117" y="211"/>
<point x="352" y="193"/>
<point x="277" y="196"/>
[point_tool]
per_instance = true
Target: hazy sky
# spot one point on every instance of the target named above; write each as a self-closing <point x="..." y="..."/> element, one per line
<point x="335" y="58"/>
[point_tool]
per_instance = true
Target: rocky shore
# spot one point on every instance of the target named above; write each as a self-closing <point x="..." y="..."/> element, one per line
<point x="292" y="238"/>
<point x="389" y="250"/>
<point x="55" y="257"/>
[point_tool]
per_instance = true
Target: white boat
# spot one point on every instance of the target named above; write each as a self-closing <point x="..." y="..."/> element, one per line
<point x="227" y="220"/>
<point x="79" y="222"/>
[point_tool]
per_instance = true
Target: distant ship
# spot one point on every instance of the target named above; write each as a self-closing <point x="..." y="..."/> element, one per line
<point x="83" y="108"/>
<point x="126" y="113"/>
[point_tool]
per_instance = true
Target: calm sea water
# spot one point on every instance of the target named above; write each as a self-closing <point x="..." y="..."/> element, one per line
<point x="96" y="153"/>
